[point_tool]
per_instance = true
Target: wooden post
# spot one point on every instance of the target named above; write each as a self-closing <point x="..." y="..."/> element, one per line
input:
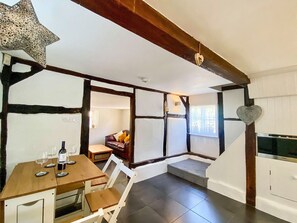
<point x="221" y="123"/>
<point x="188" y="123"/>
<point x="250" y="156"/>
<point x="165" y="125"/>
<point x="5" y="77"/>
<point x="132" y="127"/>
<point x="85" y="119"/>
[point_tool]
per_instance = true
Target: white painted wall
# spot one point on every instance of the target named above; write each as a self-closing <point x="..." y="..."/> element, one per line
<point x="149" y="134"/>
<point x="176" y="136"/>
<point x="175" y="109"/>
<point x="227" y="174"/>
<point x="149" y="103"/>
<point x="277" y="95"/>
<point x="107" y="121"/>
<point x="125" y="119"/>
<point x="208" y="146"/>
<point x="48" y="88"/>
<point x="232" y="99"/>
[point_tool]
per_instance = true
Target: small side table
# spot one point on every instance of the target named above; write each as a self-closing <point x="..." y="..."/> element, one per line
<point x="99" y="153"/>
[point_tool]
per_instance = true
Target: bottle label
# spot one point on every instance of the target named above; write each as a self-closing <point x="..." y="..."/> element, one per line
<point x="62" y="158"/>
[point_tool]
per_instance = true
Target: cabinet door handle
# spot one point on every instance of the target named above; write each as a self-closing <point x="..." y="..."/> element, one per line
<point x="294" y="177"/>
<point x="30" y="203"/>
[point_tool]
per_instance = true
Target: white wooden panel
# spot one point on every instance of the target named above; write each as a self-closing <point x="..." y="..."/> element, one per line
<point x="25" y="210"/>
<point x="283" y="180"/>
<point x="208" y="146"/>
<point x="48" y="88"/>
<point x="175" y="109"/>
<point x="232" y="99"/>
<point x="283" y="84"/>
<point x="149" y="134"/>
<point x="233" y="129"/>
<point x="176" y="136"/>
<point x="278" y="116"/>
<point x="30" y="135"/>
<point x="149" y="103"/>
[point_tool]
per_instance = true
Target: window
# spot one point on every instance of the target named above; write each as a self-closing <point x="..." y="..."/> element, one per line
<point x="203" y="120"/>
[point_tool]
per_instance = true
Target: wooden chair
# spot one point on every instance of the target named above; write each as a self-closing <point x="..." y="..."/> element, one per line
<point x="109" y="199"/>
<point x="93" y="218"/>
<point x="101" y="182"/>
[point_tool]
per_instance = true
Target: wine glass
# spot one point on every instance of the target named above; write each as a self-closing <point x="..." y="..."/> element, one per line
<point x="71" y="151"/>
<point x="51" y="154"/>
<point x="41" y="161"/>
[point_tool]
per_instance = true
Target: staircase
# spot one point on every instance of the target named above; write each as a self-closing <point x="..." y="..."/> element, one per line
<point x="190" y="170"/>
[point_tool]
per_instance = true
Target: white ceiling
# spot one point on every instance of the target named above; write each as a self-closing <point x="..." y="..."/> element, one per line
<point x="93" y="45"/>
<point x="101" y="100"/>
<point x="253" y="35"/>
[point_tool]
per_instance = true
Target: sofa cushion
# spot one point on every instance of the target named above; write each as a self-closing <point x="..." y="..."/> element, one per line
<point x="117" y="135"/>
<point x="122" y="137"/>
<point x="117" y="145"/>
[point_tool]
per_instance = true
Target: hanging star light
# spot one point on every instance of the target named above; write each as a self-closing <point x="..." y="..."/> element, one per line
<point x="21" y="30"/>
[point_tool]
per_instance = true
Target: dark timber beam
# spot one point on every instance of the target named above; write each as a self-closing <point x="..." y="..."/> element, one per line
<point x="85" y="118"/>
<point x="143" y="20"/>
<point x="188" y="123"/>
<point x="221" y="123"/>
<point x="250" y="156"/>
<point x="36" y="109"/>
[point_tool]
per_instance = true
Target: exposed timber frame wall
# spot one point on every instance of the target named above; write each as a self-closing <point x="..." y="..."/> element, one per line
<point x="84" y="110"/>
<point x="8" y="78"/>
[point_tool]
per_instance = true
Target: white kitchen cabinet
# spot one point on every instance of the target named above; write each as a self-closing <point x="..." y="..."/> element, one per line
<point x="33" y="208"/>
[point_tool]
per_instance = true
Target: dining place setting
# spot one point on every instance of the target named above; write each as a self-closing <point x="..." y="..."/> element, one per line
<point x="59" y="159"/>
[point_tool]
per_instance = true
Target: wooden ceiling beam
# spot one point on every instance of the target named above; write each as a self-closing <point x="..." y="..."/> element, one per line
<point x="143" y="20"/>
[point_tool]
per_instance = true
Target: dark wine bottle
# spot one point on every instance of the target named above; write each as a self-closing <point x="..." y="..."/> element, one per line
<point x="62" y="156"/>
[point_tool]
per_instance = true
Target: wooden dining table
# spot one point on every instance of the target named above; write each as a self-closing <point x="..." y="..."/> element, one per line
<point x="28" y="198"/>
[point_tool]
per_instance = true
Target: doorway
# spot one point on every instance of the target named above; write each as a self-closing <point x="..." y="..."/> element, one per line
<point x="111" y="121"/>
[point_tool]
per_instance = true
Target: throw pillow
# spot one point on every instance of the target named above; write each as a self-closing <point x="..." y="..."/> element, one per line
<point x="116" y="136"/>
<point x="127" y="139"/>
<point x="122" y="137"/>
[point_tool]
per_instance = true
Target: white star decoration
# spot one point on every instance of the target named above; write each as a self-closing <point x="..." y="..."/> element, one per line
<point x="21" y="30"/>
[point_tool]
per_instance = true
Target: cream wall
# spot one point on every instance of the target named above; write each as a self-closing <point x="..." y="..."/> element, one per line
<point x="208" y="146"/>
<point x="107" y="121"/>
<point x="277" y="95"/>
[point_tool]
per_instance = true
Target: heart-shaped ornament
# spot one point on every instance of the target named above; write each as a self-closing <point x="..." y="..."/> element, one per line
<point x="249" y="114"/>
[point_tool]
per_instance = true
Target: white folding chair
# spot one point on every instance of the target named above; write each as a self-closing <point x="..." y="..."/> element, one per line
<point x="101" y="182"/>
<point x="109" y="199"/>
<point x="93" y="218"/>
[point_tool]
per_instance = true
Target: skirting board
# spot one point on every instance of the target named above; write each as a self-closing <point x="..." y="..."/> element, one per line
<point x="226" y="190"/>
<point x="154" y="169"/>
<point x="276" y="209"/>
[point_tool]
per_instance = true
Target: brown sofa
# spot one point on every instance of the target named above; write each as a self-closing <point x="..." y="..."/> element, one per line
<point x="120" y="149"/>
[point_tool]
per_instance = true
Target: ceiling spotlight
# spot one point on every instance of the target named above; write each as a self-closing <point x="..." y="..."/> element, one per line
<point x="144" y="79"/>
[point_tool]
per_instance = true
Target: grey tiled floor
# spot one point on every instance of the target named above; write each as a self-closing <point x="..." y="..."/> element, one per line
<point x="167" y="198"/>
